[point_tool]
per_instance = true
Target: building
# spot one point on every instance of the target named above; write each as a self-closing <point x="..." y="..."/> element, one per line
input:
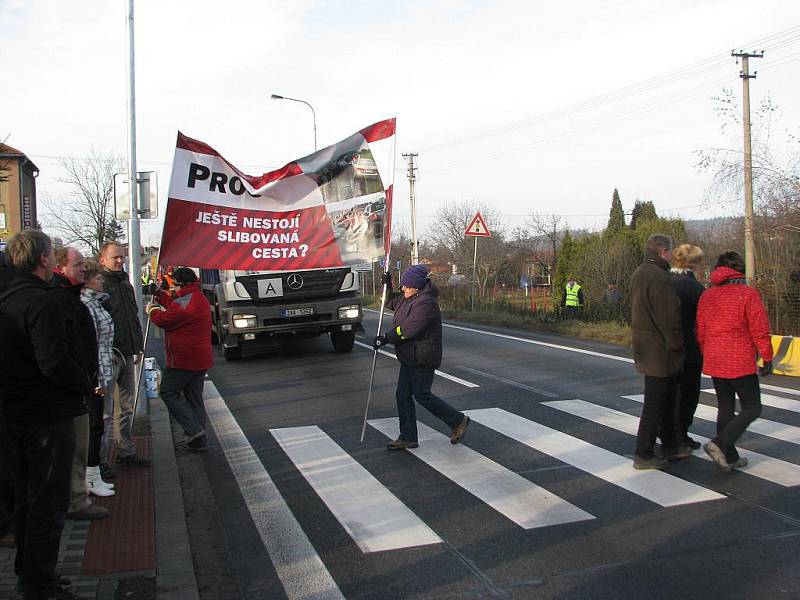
<point x="17" y="192"/>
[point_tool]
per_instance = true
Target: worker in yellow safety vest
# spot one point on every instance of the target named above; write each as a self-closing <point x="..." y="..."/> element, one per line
<point x="572" y="302"/>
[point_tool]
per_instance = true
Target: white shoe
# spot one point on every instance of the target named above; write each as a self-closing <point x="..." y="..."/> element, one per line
<point x="95" y="484"/>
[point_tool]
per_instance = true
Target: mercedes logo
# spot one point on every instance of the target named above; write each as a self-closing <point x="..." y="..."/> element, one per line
<point x="294" y="281"/>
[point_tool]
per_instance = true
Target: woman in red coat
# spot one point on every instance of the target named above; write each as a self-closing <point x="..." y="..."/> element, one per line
<point x="732" y="326"/>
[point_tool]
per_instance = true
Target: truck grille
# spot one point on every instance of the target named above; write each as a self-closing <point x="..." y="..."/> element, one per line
<point x="322" y="284"/>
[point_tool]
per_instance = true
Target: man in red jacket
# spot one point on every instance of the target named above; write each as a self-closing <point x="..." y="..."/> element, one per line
<point x="186" y="321"/>
<point x="732" y="325"/>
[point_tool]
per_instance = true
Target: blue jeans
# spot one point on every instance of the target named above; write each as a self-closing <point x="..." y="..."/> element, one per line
<point x="189" y="411"/>
<point x="415" y="383"/>
<point x="42" y="488"/>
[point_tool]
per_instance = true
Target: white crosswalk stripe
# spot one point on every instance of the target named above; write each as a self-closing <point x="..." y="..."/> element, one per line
<point x="371" y="514"/>
<point x="768" y="468"/>
<point x="773" y="429"/>
<point x="510" y="494"/>
<point x="775" y="388"/>
<point x="773" y="401"/>
<point x="656" y="486"/>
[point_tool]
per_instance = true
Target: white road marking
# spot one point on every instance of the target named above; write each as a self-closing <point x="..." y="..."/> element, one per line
<point x="773" y="429"/>
<point x="661" y="488"/>
<point x="772" y="400"/>
<point x="772" y="469"/>
<point x="458" y="380"/>
<point x="775" y="388"/>
<point x="510" y="494"/>
<point x="371" y="514"/>
<point x="299" y="567"/>
<point x="511" y="382"/>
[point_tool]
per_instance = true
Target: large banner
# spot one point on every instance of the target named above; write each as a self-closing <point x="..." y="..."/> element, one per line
<point x="329" y="209"/>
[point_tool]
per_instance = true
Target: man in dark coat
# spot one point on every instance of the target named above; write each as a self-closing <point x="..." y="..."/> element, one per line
<point x="128" y="339"/>
<point x="417" y="339"/>
<point x="658" y="354"/>
<point x="42" y="388"/>
<point x="68" y="280"/>
<point x="7" y="455"/>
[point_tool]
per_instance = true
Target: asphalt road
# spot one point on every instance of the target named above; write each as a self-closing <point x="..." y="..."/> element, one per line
<point x="539" y="502"/>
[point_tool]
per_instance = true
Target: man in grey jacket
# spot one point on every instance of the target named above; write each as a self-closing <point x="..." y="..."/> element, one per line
<point x="128" y="339"/>
<point x="658" y="353"/>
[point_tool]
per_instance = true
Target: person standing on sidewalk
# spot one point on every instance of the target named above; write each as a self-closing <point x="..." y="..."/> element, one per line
<point x="68" y="280"/>
<point x="92" y="295"/>
<point x="43" y="387"/>
<point x="129" y="340"/>
<point x="686" y="259"/>
<point x="6" y="454"/>
<point x="186" y="321"/>
<point x="658" y="354"/>
<point x="417" y="340"/>
<point x="732" y="325"/>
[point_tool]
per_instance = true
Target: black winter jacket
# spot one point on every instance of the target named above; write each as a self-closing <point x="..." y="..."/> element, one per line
<point x="40" y="378"/>
<point x="417" y="332"/>
<point x="689" y="291"/>
<point x="121" y="305"/>
<point x="79" y="323"/>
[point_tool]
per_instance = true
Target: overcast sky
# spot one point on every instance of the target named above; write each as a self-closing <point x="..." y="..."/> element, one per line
<point x="513" y="104"/>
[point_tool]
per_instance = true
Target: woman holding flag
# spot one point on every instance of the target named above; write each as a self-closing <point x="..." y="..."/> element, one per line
<point x="417" y="338"/>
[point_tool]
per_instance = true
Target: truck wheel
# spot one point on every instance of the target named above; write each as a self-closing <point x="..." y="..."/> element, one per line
<point x="343" y="341"/>
<point x="233" y="353"/>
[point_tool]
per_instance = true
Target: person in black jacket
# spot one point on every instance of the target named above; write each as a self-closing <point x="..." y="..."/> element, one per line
<point x="43" y="388"/>
<point x="129" y="340"/>
<point x="68" y="280"/>
<point x="7" y="454"/>
<point x="686" y="259"/>
<point x="417" y="339"/>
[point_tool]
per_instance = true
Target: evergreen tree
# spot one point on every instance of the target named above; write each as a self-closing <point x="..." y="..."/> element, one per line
<point x="643" y="212"/>
<point x="616" y="218"/>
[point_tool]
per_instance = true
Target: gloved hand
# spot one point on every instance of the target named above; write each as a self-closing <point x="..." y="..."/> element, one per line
<point x="766" y="369"/>
<point x="386" y="279"/>
<point x="378" y="341"/>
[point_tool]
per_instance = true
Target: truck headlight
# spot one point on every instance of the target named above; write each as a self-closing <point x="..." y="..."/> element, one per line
<point x="242" y="321"/>
<point x="349" y="312"/>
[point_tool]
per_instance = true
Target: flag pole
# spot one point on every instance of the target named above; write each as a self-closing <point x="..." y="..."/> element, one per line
<point x="383" y="301"/>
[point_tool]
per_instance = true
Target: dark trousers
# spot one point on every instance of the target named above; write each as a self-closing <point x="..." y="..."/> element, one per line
<point x="688" y="396"/>
<point x="731" y="426"/>
<point x="188" y="411"/>
<point x="658" y="415"/>
<point x="7" y="475"/>
<point x="415" y="383"/>
<point x="44" y="467"/>
<point x="95" y="404"/>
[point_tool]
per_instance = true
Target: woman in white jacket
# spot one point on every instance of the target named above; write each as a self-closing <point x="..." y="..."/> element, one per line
<point x="92" y="296"/>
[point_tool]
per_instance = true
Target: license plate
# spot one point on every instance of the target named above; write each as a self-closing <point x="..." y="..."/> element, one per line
<point x="297" y="312"/>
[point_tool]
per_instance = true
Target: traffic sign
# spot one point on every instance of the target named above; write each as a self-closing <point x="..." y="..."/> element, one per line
<point x="477" y="227"/>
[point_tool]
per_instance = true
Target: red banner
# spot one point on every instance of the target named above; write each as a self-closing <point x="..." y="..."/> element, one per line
<point x="329" y="209"/>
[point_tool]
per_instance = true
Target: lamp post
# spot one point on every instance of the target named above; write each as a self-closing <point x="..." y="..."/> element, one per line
<point x="313" y="114"/>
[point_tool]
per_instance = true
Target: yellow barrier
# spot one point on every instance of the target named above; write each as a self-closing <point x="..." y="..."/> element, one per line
<point x="787" y="355"/>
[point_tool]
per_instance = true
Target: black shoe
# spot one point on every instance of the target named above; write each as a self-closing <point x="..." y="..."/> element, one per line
<point x="107" y="472"/>
<point x="642" y="464"/>
<point x="401" y="444"/>
<point x="459" y="431"/>
<point x="185" y="441"/>
<point x="197" y="444"/>
<point x="676" y="452"/>
<point x="132" y="460"/>
<point x="691" y="443"/>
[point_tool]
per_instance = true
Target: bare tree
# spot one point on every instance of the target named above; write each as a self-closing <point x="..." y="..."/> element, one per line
<point x="545" y="238"/>
<point x="86" y="215"/>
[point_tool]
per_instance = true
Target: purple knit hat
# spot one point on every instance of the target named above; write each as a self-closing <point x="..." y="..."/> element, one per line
<point x="415" y="276"/>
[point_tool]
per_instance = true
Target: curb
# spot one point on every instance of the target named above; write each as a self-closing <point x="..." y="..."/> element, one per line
<point x="175" y="576"/>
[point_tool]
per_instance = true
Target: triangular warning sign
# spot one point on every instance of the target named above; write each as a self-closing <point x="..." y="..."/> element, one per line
<point x="477" y="227"/>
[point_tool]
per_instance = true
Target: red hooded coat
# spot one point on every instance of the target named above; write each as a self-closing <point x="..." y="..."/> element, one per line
<point x="187" y="326"/>
<point x="732" y="325"/>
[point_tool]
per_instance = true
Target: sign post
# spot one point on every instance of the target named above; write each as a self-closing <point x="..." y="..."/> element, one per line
<point x="477" y="228"/>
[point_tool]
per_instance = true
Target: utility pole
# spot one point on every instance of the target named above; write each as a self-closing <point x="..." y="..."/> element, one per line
<point x="412" y="178"/>
<point x="749" y="245"/>
<point x="134" y="260"/>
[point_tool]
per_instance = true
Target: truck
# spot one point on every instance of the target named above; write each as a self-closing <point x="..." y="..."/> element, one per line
<point x="254" y="311"/>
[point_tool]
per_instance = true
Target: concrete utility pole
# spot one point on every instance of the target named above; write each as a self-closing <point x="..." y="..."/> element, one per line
<point x="134" y="260"/>
<point x="411" y="181"/>
<point x="749" y="246"/>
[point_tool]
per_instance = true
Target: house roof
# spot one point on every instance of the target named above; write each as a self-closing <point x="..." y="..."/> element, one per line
<point x="7" y="151"/>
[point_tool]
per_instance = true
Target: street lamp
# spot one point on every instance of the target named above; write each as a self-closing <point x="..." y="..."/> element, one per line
<point x="313" y="114"/>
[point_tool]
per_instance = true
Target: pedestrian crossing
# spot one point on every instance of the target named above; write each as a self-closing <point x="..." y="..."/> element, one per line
<point x="377" y="520"/>
<point x="772" y="400"/>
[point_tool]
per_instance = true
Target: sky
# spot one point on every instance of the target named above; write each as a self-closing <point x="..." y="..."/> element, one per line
<point x="521" y="106"/>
